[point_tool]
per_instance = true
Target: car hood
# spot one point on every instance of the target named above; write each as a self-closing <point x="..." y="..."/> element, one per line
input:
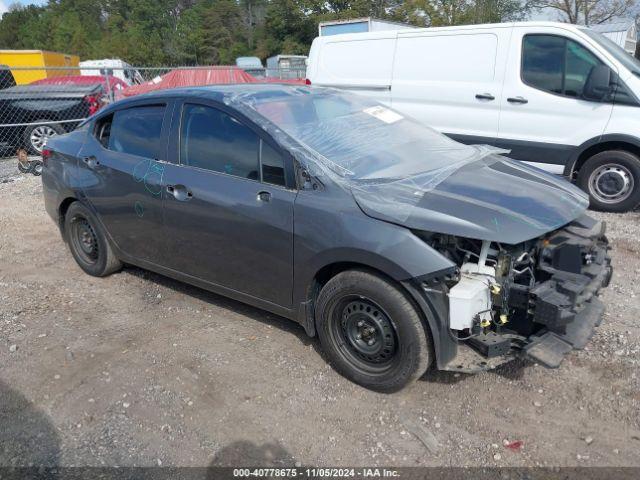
<point x="493" y="199"/>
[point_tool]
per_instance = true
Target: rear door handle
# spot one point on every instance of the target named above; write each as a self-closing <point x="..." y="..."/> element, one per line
<point x="520" y="100"/>
<point x="180" y="192"/>
<point x="485" y="96"/>
<point x="91" y="161"/>
<point x="264" y="197"/>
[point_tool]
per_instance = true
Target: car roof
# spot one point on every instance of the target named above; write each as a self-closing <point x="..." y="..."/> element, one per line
<point x="215" y="92"/>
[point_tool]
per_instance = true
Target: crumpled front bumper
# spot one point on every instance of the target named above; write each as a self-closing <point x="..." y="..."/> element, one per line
<point x="577" y="262"/>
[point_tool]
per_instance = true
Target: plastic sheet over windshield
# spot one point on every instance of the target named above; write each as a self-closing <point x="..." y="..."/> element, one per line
<point x="361" y="139"/>
<point x="386" y="159"/>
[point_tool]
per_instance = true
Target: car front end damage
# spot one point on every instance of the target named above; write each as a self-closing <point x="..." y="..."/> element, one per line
<point x="537" y="299"/>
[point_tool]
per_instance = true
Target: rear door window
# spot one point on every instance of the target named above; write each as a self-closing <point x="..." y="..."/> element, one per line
<point x="136" y="131"/>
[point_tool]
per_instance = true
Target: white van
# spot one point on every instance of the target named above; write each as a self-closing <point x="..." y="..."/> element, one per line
<point x="112" y="66"/>
<point x="557" y="95"/>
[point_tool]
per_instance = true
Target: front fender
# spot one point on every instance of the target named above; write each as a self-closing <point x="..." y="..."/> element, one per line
<point x="331" y="230"/>
<point x="572" y="164"/>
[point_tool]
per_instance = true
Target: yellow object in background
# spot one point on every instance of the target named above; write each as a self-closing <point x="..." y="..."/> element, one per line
<point x="18" y="59"/>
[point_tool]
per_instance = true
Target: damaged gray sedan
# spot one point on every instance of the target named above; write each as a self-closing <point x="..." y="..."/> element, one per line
<point x="398" y="247"/>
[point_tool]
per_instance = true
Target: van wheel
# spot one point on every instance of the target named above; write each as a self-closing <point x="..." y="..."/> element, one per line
<point x="36" y="136"/>
<point x="371" y="331"/>
<point x="87" y="242"/>
<point x="612" y="180"/>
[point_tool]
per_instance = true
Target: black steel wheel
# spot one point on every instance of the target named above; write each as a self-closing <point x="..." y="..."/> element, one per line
<point x="371" y="331"/>
<point x="366" y="332"/>
<point x="84" y="239"/>
<point x="87" y="242"/>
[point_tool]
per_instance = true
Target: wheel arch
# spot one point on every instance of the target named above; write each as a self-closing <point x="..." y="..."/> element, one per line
<point x="330" y="270"/>
<point x="62" y="211"/>
<point x="597" y="145"/>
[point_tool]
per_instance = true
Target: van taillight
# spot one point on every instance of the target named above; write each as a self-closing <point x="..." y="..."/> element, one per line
<point x="46" y="155"/>
<point x="307" y="81"/>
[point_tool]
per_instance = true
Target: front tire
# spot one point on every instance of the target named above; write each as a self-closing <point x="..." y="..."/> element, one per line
<point x="88" y="243"/>
<point x="612" y="180"/>
<point x="371" y="331"/>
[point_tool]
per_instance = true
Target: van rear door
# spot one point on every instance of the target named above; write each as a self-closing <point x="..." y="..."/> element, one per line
<point x="452" y="80"/>
<point x="360" y="63"/>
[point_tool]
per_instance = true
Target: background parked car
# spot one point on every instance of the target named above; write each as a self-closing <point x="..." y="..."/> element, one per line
<point x="192" y="77"/>
<point x="111" y="85"/>
<point x="30" y="114"/>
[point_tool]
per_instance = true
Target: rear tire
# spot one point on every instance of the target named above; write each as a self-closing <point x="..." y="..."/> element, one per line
<point x="371" y="332"/>
<point x="612" y="180"/>
<point x="88" y="243"/>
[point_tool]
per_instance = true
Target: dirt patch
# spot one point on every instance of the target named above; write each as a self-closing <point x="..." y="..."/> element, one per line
<point x="137" y="369"/>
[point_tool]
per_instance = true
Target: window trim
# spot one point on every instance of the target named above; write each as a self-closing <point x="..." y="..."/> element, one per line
<point x="111" y="113"/>
<point x="259" y="133"/>
<point x="564" y="65"/>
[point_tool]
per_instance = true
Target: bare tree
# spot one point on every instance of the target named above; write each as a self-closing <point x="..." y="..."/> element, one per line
<point x="588" y="12"/>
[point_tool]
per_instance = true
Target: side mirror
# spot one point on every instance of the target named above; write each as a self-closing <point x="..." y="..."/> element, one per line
<point x="598" y="83"/>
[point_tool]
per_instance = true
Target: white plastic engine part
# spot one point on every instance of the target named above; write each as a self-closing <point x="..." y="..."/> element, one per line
<point x="470" y="296"/>
<point x="475" y="268"/>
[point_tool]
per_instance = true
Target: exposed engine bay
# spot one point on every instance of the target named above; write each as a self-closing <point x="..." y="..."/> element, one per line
<point x="536" y="298"/>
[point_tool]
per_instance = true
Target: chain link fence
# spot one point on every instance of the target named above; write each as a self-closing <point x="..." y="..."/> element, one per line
<point x="38" y="102"/>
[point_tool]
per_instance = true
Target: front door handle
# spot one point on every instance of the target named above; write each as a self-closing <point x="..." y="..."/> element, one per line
<point x="91" y="161"/>
<point x="520" y="100"/>
<point x="264" y="197"/>
<point x="180" y="192"/>
<point x="485" y="96"/>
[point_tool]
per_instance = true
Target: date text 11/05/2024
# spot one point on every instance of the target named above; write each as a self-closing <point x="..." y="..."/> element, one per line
<point x="316" y="472"/>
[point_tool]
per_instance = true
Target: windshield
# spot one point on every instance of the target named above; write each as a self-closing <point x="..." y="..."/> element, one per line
<point x="620" y="54"/>
<point x="360" y="138"/>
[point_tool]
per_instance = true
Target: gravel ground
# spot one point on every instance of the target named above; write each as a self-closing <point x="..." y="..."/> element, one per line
<point x="137" y="369"/>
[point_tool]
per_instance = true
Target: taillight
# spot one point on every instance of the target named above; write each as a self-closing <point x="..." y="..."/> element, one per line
<point x="94" y="103"/>
<point x="307" y="81"/>
<point x="46" y="155"/>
